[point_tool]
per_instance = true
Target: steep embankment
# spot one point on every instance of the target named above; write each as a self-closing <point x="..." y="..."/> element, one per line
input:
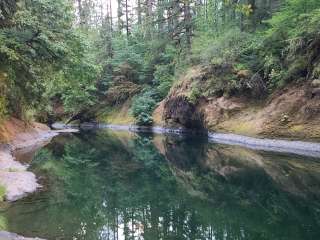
<point x="199" y="100"/>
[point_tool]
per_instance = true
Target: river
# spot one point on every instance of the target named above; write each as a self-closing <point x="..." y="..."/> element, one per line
<point x="108" y="184"/>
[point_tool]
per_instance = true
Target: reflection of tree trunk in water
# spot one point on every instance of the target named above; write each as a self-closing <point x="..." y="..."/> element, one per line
<point x="166" y="224"/>
<point x="126" y="230"/>
<point x="108" y="229"/>
<point x="180" y="220"/>
<point x="115" y="225"/>
<point x="155" y="222"/>
<point x="176" y="226"/>
<point x="210" y="232"/>
<point x="132" y="223"/>
<point x="192" y="226"/>
<point x="117" y="219"/>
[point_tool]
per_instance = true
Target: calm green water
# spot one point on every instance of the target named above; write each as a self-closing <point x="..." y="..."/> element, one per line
<point x="120" y="185"/>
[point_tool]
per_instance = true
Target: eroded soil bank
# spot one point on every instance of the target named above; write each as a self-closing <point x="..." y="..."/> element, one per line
<point x="292" y="112"/>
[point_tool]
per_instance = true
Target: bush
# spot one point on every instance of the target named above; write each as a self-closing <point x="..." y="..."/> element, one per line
<point x="163" y="77"/>
<point x="226" y="48"/>
<point x="297" y="69"/>
<point x="194" y="94"/>
<point x="143" y="106"/>
<point x="287" y="44"/>
<point x="3" y="107"/>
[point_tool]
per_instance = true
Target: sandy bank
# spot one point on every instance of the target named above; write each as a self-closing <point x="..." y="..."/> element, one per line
<point x="17" y="136"/>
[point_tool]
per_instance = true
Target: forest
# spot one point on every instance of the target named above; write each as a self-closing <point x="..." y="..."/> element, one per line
<point x="77" y="59"/>
<point x="160" y="119"/>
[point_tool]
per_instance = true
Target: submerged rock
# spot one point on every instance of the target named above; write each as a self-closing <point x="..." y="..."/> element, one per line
<point x="13" y="236"/>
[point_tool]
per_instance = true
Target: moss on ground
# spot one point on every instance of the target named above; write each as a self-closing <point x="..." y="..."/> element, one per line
<point x="2" y="193"/>
<point x="117" y="115"/>
<point x="3" y="223"/>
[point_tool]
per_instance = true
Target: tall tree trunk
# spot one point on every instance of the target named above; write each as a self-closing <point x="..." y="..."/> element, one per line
<point x="81" y="13"/>
<point x="170" y="21"/>
<point x="148" y="19"/>
<point x="119" y="15"/>
<point x="127" y="19"/>
<point x="252" y="17"/>
<point x="160" y="16"/>
<point x="111" y="17"/>
<point x="139" y="12"/>
<point x="187" y="23"/>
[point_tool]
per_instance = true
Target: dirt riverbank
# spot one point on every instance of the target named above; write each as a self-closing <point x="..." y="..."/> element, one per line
<point x="16" y="136"/>
<point x="291" y="112"/>
<point x="19" y="140"/>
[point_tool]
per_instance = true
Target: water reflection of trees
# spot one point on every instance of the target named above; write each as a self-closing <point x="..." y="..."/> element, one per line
<point x="117" y="186"/>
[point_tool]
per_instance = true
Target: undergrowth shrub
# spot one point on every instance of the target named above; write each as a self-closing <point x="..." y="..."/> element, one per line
<point x="225" y="48"/>
<point x="143" y="106"/>
<point x="163" y="78"/>
<point x="195" y="93"/>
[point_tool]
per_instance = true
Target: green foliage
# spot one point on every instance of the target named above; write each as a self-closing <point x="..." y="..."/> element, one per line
<point x="3" y="107"/>
<point x="128" y="55"/>
<point x="3" y="91"/>
<point x="316" y="71"/>
<point x="2" y="193"/>
<point x="3" y="223"/>
<point x="143" y="106"/>
<point x="163" y="78"/>
<point x="195" y="93"/>
<point x="276" y="79"/>
<point x="285" y="50"/>
<point x="47" y="52"/>
<point x="44" y="55"/>
<point x="226" y="48"/>
<point x="297" y="69"/>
